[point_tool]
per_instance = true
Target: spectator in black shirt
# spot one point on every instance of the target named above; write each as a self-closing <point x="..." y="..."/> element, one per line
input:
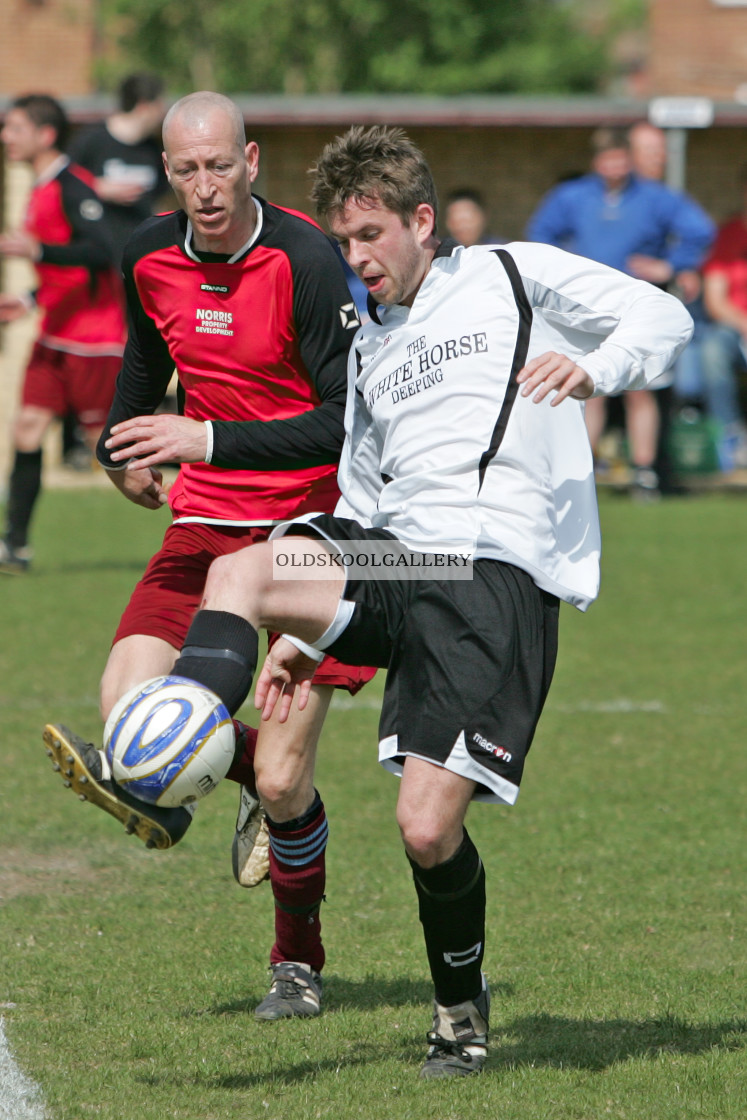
<point x="124" y="154"/>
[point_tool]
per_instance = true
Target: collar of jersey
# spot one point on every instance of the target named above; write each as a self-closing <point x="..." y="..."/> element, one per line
<point x="239" y="252"/>
<point x="53" y="170"/>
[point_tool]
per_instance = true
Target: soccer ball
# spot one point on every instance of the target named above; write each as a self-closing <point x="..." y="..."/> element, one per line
<point x="169" y="741"/>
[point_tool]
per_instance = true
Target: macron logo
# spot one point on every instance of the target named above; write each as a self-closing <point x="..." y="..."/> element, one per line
<point x="486" y="745"/>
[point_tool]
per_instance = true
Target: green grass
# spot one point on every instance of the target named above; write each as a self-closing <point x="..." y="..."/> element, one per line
<point x="616" y="919"/>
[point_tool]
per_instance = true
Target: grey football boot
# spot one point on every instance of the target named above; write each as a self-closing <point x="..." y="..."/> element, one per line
<point x="459" y="1039"/>
<point x="295" y="993"/>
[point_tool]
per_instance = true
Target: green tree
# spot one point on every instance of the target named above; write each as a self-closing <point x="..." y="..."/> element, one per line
<point x="380" y="46"/>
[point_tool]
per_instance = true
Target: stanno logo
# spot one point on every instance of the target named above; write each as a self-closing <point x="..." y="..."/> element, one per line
<point x="214" y="288"/>
<point x="486" y="745"/>
<point x="210" y="321"/>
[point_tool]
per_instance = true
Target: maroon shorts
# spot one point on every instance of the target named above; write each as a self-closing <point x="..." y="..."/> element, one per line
<point x="62" y="383"/>
<point x="166" y="598"/>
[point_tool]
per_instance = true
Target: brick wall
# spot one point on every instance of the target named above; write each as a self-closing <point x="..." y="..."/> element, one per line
<point x="46" y="46"/>
<point x="697" y="47"/>
<point x="512" y="167"/>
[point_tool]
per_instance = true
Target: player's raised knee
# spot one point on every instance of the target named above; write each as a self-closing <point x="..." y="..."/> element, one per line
<point x="283" y="795"/>
<point x="245" y="574"/>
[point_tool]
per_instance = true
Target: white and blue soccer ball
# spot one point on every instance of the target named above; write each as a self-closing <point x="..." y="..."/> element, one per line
<point x="169" y="741"/>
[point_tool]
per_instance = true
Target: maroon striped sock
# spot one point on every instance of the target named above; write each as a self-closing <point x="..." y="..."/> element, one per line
<point x="242" y="767"/>
<point x="298" y="876"/>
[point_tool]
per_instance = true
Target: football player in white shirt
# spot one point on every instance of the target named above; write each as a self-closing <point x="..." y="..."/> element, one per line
<point x="465" y="451"/>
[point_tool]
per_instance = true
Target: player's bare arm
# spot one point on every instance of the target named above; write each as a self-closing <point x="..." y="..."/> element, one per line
<point x="689" y="284"/>
<point x="18" y="243"/>
<point x="650" y="268"/>
<point x="142" y="485"/>
<point x="286" y="669"/>
<point x="554" y="373"/>
<point x="158" y="439"/>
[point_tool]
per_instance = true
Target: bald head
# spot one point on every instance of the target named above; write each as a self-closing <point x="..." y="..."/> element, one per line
<point x="211" y="169"/>
<point x="648" y="150"/>
<point x="197" y="114"/>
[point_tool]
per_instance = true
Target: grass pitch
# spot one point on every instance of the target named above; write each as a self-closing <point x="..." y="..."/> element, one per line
<point x="616" y="949"/>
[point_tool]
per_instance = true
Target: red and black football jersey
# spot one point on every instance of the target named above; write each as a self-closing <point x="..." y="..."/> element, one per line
<point x="259" y="341"/>
<point x="79" y="291"/>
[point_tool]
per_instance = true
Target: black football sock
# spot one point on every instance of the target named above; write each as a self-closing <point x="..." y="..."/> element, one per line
<point x="220" y="651"/>
<point x="452" y="912"/>
<point x="23" y="490"/>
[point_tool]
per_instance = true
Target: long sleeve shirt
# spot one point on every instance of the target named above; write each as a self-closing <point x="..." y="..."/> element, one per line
<point x="259" y="342"/>
<point x="443" y="450"/>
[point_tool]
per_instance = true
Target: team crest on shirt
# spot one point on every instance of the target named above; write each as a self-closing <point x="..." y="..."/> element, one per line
<point x="211" y="321"/>
<point x="91" y="209"/>
<point x="349" y="317"/>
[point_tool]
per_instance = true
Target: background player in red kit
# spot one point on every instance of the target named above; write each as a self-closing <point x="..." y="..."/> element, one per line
<point x="76" y="357"/>
<point x="249" y="302"/>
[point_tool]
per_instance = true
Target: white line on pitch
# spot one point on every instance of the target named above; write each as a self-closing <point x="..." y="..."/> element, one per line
<point x="20" y="1098"/>
<point x="620" y="706"/>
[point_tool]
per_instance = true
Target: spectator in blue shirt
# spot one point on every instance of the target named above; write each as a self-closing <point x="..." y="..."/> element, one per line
<point x="641" y="227"/>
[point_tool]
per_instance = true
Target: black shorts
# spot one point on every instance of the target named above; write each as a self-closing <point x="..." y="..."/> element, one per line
<point x="469" y="662"/>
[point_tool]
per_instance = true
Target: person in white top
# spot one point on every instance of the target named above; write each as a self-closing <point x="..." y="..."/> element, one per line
<point x="465" y="454"/>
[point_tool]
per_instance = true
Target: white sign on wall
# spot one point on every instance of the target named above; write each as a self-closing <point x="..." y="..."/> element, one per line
<point x="681" y="112"/>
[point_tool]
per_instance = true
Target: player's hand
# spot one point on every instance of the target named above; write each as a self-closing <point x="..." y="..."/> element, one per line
<point x="18" y="243"/>
<point x="12" y="308"/>
<point x="142" y="485"/>
<point x="286" y="673"/>
<point x="689" y="284"/>
<point x="158" y="439"/>
<point x="556" y="373"/>
<point x="650" y="268"/>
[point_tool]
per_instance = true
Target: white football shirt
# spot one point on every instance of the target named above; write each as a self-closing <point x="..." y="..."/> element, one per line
<point x="442" y="450"/>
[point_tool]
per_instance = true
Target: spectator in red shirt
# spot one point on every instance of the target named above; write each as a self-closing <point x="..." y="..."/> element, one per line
<point x="724" y="341"/>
